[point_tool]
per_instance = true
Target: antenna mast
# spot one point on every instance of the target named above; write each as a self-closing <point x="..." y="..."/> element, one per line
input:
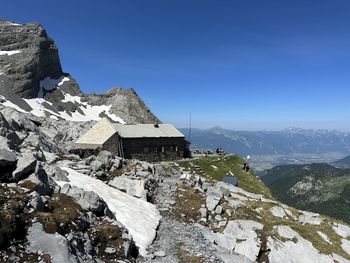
<point x="189" y="129"/>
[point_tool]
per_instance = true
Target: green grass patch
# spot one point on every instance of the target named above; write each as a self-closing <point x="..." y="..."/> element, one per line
<point x="216" y="167"/>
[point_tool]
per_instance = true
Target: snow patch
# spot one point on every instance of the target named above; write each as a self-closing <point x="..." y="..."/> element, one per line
<point x="324" y="237"/>
<point x="309" y="218"/>
<point x="339" y="259"/>
<point x="86" y="111"/>
<point x="295" y="250"/>
<point x="8" y="103"/>
<point x="9" y="52"/>
<point x="341" y="230"/>
<point x="138" y="216"/>
<point x="11" y="23"/>
<point x="37" y="108"/>
<point x="345" y="245"/>
<point x="91" y="113"/>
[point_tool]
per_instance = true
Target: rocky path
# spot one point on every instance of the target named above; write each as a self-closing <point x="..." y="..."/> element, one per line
<point x="176" y="241"/>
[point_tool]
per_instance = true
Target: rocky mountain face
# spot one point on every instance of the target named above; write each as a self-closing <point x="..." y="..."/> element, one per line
<point x="315" y="187"/>
<point x="31" y="57"/>
<point x="125" y="103"/>
<point x="32" y="81"/>
<point x="288" y="141"/>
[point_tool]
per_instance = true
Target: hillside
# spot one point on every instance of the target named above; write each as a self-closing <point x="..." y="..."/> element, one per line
<point x="288" y="141"/>
<point x="343" y="163"/>
<point x="320" y="188"/>
<point x="251" y="204"/>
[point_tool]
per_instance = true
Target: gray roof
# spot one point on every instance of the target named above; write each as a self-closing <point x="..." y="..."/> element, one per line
<point x="97" y="135"/>
<point x="104" y="129"/>
<point x="147" y="131"/>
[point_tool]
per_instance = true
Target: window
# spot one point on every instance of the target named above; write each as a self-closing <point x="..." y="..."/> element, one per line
<point x="176" y="149"/>
<point x="171" y="148"/>
<point x="163" y="149"/>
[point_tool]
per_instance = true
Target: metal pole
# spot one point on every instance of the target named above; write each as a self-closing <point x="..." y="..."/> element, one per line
<point x="189" y="130"/>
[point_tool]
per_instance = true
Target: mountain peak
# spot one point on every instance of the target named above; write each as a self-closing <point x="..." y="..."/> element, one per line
<point x="32" y="81"/>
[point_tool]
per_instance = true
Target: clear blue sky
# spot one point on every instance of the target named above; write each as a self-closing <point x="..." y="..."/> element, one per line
<point x="238" y="64"/>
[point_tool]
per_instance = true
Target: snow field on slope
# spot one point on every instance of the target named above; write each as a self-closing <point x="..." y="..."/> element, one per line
<point x="90" y="112"/>
<point x="138" y="216"/>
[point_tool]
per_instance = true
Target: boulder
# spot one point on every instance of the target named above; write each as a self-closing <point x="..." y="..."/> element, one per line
<point x="105" y="157"/>
<point x="278" y="211"/>
<point x="159" y="253"/>
<point x="25" y="166"/>
<point x="87" y="200"/>
<point x="219" y="210"/>
<point x="117" y="162"/>
<point x="41" y="179"/>
<point x="244" y="231"/>
<point x="96" y="165"/>
<point x="17" y="121"/>
<point x="131" y="186"/>
<point x="89" y="159"/>
<point x="8" y="161"/>
<point x="92" y="202"/>
<point x="36" y="201"/>
<point x="54" y="245"/>
<point x="203" y="212"/>
<point x="8" y="138"/>
<point x="56" y="173"/>
<point x="73" y="192"/>
<point x="214" y="197"/>
<point x="7" y="158"/>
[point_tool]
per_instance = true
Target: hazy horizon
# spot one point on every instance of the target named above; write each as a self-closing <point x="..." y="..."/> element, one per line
<point x="263" y="129"/>
<point x="255" y="126"/>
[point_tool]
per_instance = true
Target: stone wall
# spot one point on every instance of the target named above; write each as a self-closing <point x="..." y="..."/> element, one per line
<point x="112" y="144"/>
<point x="149" y="149"/>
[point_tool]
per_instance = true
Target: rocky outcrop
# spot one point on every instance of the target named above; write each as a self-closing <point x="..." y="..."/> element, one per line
<point x="34" y="56"/>
<point x="30" y="68"/>
<point x="125" y="103"/>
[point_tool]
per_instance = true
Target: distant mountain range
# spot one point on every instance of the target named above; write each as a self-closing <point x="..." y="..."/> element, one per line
<point x="317" y="187"/>
<point x="288" y="141"/>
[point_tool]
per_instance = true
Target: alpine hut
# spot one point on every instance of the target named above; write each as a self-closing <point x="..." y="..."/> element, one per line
<point x="149" y="142"/>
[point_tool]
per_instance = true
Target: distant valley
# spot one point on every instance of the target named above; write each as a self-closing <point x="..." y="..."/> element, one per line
<point x="288" y="141"/>
<point x="316" y="187"/>
<point x="270" y="148"/>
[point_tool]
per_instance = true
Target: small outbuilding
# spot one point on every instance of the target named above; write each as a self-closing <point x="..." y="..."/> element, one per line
<point x="149" y="142"/>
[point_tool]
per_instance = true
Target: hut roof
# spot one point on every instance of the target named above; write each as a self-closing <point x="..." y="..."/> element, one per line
<point x="97" y="135"/>
<point x="104" y="129"/>
<point x="147" y="131"/>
